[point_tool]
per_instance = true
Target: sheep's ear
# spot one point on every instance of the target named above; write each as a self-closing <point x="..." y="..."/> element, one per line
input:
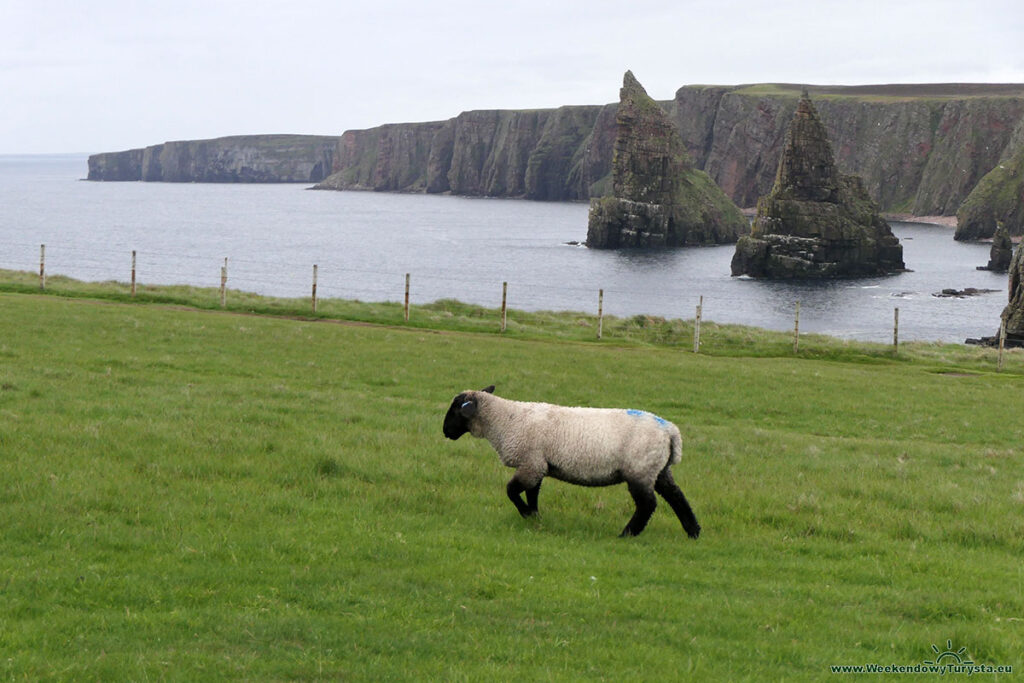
<point x="489" y="390"/>
<point x="468" y="409"/>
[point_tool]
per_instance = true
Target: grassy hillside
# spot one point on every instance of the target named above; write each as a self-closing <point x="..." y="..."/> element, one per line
<point x="198" y="495"/>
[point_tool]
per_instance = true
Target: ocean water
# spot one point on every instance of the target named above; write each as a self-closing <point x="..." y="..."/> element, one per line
<point x="453" y="247"/>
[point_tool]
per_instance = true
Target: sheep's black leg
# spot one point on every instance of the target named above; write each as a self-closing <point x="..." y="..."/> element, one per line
<point x="645" y="504"/>
<point x="667" y="488"/>
<point x="531" y="498"/>
<point x="515" y="488"/>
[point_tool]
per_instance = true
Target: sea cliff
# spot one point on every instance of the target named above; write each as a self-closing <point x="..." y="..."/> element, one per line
<point x="546" y="154"/>
<point x="998" y="197"/>
<point x="920" y="149"/>
<point x="235" y="159"/>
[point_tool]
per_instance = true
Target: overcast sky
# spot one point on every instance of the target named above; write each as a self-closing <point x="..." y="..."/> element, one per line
<point x="107" y="75"/>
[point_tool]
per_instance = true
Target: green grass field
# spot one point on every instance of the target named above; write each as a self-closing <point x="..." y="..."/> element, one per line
<point x="203" y="495"/>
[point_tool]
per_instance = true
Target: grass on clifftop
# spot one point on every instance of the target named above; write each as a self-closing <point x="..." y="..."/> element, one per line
<point x="196" y="495"/>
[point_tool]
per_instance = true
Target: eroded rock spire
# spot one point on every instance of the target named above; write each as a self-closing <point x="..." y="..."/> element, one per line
<point x="815" y="222"/>
<point x="659" y="198"/>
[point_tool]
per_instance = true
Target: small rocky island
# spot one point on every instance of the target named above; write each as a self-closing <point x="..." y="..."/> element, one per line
<point x="659" y="198"/>
<point x="1001" y="253"/>
<point x="815" y="222"/>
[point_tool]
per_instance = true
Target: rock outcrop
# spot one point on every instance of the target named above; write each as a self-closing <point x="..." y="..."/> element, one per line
<point x="235" y="159"/>
<point x="1013" y="315"/>
<point x="815" y="222"/>
<point x="659" y="198"/>
<point x="1001" y="253"/>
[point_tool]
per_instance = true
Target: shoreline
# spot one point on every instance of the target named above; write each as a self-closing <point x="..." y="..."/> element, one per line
<point x="944" y="221"/>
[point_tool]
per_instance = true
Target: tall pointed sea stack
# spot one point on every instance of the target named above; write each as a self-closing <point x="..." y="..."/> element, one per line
<point x="660" y="199"/>
<point x="815" y="222"/>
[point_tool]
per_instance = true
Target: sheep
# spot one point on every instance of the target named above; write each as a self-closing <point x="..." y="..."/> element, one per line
<point x="584" y="446"/>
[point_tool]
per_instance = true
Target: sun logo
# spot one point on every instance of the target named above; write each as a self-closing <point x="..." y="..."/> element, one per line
<point x="949" y="656"/>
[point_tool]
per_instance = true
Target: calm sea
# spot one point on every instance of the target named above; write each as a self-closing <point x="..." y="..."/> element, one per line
<point x="364" y="243"/>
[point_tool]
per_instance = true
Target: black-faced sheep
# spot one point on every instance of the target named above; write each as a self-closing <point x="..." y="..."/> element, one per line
<point x="585" y="446"/>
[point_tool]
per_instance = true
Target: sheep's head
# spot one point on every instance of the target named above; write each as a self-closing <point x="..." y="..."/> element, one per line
<point x="461" y="411"/>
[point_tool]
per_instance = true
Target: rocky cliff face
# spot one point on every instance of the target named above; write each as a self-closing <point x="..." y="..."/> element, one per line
<point x="547" y="154"/>
<point x="918" y="148"/>
<point x="387" y="158"/>
<point x="236" y="159"/>
<point x="815" y="222"/>
<point x="659" y="198"/>
<point x="1012" y="317"/>
<point x="998" y="197"/>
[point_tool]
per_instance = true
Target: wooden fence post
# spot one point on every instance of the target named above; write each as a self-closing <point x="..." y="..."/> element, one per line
<point x="696" y="325"/>
<point x="504" y="299"/>
<point x="42" y="266"/>
<point x="223" y="283"/>
<point x="796" y="329"/>
<point x="1002" y="344"/>
<point x="314" y="288"/>
<point x="133" y="273"/>
<point x="600" y="312"/>
<point x="896" y="331"/>
<point x="406" y="297"/>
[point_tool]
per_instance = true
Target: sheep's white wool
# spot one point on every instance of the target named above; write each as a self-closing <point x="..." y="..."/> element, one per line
<point x="579" y="445"/>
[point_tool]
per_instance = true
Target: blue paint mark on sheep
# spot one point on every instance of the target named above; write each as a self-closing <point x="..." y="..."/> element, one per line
<point x="641" y="413"/>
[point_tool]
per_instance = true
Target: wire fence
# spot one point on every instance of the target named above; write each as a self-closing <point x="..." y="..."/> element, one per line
<point x="287" y="279"/>
<point x="280" y="277"/>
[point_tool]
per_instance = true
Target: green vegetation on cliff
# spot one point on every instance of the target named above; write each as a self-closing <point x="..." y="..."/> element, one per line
<point x="998" y="197"/>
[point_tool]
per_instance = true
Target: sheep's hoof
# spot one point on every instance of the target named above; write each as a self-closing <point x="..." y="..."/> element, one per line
<point x="695" y="533"/>
<point x="528" y="513"/>
<point x="627" y="533"/>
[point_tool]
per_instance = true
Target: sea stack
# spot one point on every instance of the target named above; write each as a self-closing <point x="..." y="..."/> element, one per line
<point x="1001" y="253"/>
<point x="659" y="198"/>
<point x="1013" y="314"/>
<point x="815" y="222"/>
